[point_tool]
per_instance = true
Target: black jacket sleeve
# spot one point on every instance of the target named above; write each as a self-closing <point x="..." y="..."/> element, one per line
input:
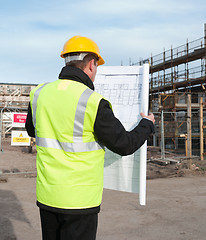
<point x="112" y="134"/>
<point x="29" y="123"/>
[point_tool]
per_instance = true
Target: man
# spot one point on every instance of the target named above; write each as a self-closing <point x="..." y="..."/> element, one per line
<point x="72" y="124"/>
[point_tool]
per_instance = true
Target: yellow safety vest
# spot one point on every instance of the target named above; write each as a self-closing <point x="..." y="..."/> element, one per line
<point x="70" y="160"/>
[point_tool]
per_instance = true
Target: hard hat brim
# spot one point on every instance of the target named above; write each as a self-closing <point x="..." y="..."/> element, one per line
<point x="100" y="61"/>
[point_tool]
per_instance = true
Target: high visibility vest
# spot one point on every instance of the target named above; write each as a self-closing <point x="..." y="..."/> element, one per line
<point x="70" y="160"/>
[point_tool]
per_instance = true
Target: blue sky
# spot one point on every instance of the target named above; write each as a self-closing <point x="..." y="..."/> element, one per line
<point x="32" y="33"/>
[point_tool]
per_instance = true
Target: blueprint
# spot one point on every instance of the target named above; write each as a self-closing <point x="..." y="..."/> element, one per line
<point x="127" y="89"/>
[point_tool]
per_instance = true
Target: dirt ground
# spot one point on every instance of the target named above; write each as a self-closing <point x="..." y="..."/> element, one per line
<point x="175" y="209"/>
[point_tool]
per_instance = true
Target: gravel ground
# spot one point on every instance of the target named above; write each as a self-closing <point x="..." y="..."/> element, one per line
<point x="175" y="209"/>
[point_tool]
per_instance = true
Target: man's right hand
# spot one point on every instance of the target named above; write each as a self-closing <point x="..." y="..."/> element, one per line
<point x="149" y="117"/>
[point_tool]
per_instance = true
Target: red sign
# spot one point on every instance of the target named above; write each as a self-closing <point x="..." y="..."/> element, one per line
<point x="20" y="117"/>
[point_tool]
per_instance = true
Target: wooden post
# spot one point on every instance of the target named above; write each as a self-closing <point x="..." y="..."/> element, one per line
<point x="201" y="130"/>
<point x="186" y="153"/>
<point x="189" y="130"/>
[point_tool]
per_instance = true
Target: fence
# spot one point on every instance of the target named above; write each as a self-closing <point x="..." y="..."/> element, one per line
<point x="171" y="132"/>
<point x="6" y="126"/>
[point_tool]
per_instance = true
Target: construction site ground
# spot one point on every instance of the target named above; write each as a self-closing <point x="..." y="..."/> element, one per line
<point x="175" y="207"/>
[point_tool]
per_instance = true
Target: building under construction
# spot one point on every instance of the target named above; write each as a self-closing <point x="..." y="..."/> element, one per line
<point x="177" y="97"/>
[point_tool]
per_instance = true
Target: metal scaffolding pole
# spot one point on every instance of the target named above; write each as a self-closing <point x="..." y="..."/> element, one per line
<point x="162" y="137"/>
<point x="1" y="129"/>
<point x="201" y="131"/>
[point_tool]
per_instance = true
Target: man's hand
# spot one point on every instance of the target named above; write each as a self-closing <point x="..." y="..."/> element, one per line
<point x="149" y="117"/>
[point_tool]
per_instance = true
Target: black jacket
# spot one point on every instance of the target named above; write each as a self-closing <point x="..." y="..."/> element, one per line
<point x="108" y="129"/>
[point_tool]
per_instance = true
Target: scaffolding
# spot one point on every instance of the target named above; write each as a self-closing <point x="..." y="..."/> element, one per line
<point x="176" y="123"/>
<point x="175" y="75"/>
<point x="14" y="95"/>
<point x="13" y="98"/>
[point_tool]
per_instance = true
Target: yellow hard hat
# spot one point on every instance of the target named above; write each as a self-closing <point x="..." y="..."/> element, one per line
<point x="82" y="44"/>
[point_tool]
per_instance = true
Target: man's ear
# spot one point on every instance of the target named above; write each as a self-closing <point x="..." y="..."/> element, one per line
<point x="91" y="65"/>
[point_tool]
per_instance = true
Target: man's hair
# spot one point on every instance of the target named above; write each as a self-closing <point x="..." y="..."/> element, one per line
<point x="82" y="63"/>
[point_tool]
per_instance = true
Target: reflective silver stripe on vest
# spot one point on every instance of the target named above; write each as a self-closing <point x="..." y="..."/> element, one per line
<point x="78" y="145"/>
<point x="34" y="103"/>
<point x="68" y="147"/>
<point x="79" y="115"/>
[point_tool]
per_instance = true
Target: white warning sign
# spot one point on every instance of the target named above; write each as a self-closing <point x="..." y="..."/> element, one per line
<point x="20" y="138"/>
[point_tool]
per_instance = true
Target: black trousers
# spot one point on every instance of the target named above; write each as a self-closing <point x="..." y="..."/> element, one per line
<point x="58" y="226"/>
